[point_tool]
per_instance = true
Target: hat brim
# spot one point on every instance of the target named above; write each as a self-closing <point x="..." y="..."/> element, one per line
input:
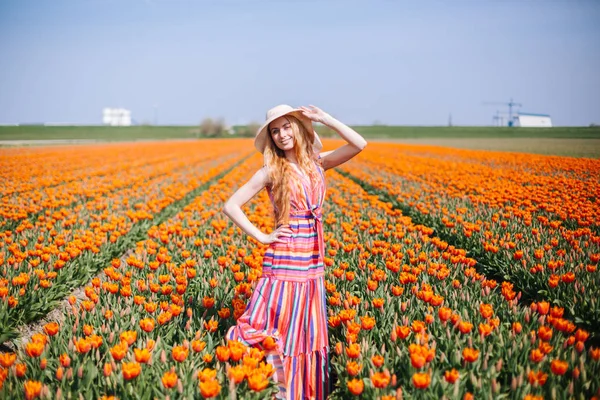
<point x="260" y="141"/>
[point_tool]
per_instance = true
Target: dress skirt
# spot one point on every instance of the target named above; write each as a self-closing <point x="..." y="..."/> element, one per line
<point x="289" y="305"/>
<point x="293" y="314"/>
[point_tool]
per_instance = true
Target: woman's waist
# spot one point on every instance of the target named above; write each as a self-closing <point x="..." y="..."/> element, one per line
<point x="305" y="212"/>
<point x="284" y="274"/>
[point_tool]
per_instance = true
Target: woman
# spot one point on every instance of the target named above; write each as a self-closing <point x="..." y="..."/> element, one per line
<point x="288" y="305"/>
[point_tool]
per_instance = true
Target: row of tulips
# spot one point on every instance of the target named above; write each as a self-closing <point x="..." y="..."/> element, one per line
<point x="527" y="219"/>
<point x="411" y="316"/>
<point x="22" y="208"/>
<point x="152" y="324"/>
<point x="34" y="168"/>
<point x="44" y="262"/>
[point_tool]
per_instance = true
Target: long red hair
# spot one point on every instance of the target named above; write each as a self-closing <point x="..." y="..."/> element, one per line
<point x="282" y="175"/>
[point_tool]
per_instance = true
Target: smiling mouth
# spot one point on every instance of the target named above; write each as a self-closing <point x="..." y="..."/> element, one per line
<point x="285" y="141"/>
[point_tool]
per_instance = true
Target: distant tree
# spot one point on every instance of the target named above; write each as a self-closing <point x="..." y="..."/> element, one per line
<point x="212" y="128"/>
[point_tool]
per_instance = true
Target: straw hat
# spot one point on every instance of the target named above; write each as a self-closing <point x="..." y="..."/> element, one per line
<point x="260" y="141"/>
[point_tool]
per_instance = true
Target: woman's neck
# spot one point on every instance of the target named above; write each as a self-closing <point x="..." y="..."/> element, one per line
<point x="290" y="155"/>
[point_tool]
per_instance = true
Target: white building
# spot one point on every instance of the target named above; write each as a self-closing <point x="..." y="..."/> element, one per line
<point x="116" y="117"/>
<point x="528" y="120"/>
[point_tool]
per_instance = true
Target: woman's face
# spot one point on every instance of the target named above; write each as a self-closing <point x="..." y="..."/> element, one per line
<point x="282" y="133"/>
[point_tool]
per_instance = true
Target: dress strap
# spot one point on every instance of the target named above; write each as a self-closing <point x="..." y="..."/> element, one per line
<point x="322" y="194"/>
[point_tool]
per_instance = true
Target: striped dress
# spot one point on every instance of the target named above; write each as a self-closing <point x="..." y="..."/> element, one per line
<point x="288" y="303"/>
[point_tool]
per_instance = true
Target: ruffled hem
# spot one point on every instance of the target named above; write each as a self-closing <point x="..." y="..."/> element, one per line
<point x="305" y="376"/>
<point x="293" y="314"/>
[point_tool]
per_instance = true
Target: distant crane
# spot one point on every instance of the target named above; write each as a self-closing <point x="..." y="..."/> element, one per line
<point x="510" y="105"/>
<point x="497" y="119"/>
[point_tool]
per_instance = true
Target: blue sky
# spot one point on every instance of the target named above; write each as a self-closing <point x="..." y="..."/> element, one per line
<point x="395" y="62"/>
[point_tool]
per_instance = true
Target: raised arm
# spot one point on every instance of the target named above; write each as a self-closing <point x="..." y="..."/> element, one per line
<point x="356" y="143"/>
<point x="233" y="209"/>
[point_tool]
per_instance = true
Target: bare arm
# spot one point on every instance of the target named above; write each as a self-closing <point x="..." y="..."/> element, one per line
<point x="233" y="209"/>
<point x="356" y="143"/>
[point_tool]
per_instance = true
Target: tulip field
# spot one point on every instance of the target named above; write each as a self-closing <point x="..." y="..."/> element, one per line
<point x="450" y="273"/>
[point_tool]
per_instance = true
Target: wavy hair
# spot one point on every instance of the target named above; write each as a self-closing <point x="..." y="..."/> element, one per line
<point x="282" y="175"/>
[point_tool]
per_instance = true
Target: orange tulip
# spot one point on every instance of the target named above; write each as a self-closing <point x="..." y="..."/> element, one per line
<point x="378" y="303"/>
<point x="88" y="330"/>
<point x="537" y="377"/>
<point x="33" y="389"/>
<point x="208" y="302"/>
<point x="581" y="335"/>
<point x="380" y="379"/>
<point x="257" y="381"/>
<point x="451" y="376"/>
<point x="20" y="370"/>
<point x="237" y="350"/>
<point x="142" y="355"/>
<point x="353" y="350"/>
<point x="179" y="353"/>
<point x="147" y="324"/>
<point x="198" y="345"/>
<point x="377" y="360"/>
<point x="417" y="360"/>
<point x="485" y="329"/>
<point x="119" y="351"/>
<point x="269" y="343"/>
<point x="444" y="313"/>
<point x="34" y="349"/>
<point x="209" y="389"/>
<point x="517" y="327"/>
<point x="367" y="322"/>
<point x="418" y="326"/>
<point x="131" y="370"/>
<point x="207" y="374"/>
<point x="7" y="359"/>
<point x="169" y="379"/>
<point x="559" y="367"/>
<point x="545" y="333"/>
<point x="211" y="325"/>
<point x="129" y="337"/>
<point x="465" y="327"/>
<point x="222" y="353"/>
<point x="224" y="313"/>
<point x="356" y="386"/>
<point x="470" y="355"/>
<point x="421" y="380"/>
<point x="486" y="310"/>
<point x="536" y="355"/>
<point x="237" y="374"/>
<point x="83" y="345"/>
<point x="545" y="347"/>
<point x="402" y="331"/>
<point x="353" y="368"/>
<point x="51" y="328"/>
<point x="543" y="307"/>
